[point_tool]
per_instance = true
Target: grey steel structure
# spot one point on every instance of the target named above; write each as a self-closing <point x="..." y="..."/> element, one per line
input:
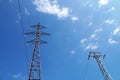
<point x="98" y="57"/>
<point x="34" y="71"/>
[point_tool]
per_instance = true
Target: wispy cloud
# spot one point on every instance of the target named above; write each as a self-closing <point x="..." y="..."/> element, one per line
<point x="74" y="19"/>
<point x="111" y="9"/>
<point x="10" y="0"/>
<point x="91" y="47"/>
<point x="17" y="21"/>
<point x="115" y="34"/>
<point x="111" y="41"/>
<point x="19" y="76"/>
<point x="92" y="36"/>
<point x="90" y="23"/>
<point x="83" y="41"/>
<point x="51" y="7"/>
<point x="116" y="31"/>
<point x="108" y="21"/>
<point x="102" y="2"/>
<point x="98" y="30"/>
<point x="91" y="43"/>
<point x="72" y="52"/>
<point x="27" y="12"/>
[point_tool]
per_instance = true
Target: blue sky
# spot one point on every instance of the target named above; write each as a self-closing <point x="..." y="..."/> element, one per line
<point x="76" y="27"/>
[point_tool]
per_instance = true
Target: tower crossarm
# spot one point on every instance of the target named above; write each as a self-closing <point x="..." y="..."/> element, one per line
<point x="98" y="58"/>
<point x="35" y="69"/>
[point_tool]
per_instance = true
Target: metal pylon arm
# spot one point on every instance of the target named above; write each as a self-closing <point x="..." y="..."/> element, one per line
<point x="35" y="69"/>
<point x="98" y="58"/>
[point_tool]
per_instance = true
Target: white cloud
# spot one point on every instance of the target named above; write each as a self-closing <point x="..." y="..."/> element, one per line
<point x="102" y="2"/>
<point x="17" y="21"/>
<point x="27" y="12"/>
<point x="74" y="30"/>
<point x="98" y="30"/>
<point x="19" y="17"/>
<point x="83" y="41"/>
<point x="10" y="0"/>
<point x="91" y="42"/>
<point x="90" y="23"/>
<point x="116" y="31"/>
<point x="111" y="41"/>
<point x="72" y="52"/>
<point x="111" y="9"/>
<point x="91" y="47"/>
<point x="108" y="21"/>
<point x="74" y="19"/>
<point x="51" y="7"/>
<point x="19" y="76"/>
<point x="93" y="35"/>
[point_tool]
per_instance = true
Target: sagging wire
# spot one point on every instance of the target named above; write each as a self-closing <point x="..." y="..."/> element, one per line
<point x="23" y="31"/>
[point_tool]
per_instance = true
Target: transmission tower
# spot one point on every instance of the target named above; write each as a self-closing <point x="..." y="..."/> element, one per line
<point x="98" y="58"/>
<point x="34" y="71"/>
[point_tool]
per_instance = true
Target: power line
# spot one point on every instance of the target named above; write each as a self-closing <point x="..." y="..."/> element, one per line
<point x="22" y="28"/>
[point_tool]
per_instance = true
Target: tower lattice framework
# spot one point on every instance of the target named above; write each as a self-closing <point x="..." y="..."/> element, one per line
<point x="98" y="58"/>
<point x="35" y="69"/>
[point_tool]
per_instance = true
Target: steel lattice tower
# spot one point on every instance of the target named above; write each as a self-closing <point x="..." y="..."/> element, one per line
<point x="98" y="57"/>
<point x="35" y="72"/>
